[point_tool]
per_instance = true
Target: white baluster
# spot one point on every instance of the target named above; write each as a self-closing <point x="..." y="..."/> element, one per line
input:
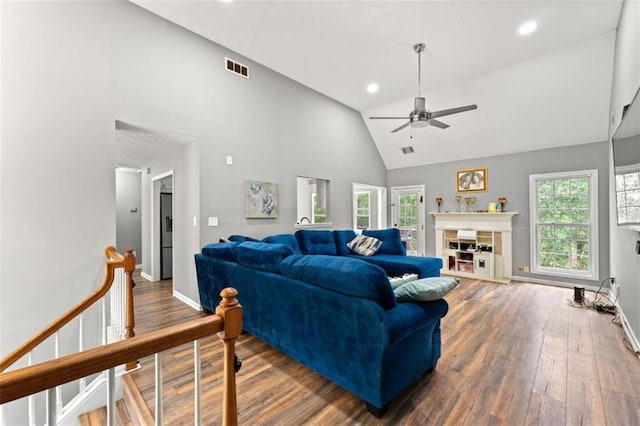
<point x="58" y="389"/>
<point x="104" y="322"/>
<point x="51" y="407"/>
<point x="111" y="400"/>
<point x="31" y="401"/>
<point x="196" y="386"/>
<point x="158" y="390"/>
<point x="83" y="381"/>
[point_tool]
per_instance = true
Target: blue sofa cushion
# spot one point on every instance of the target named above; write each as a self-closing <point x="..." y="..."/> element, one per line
<point x="241" y="239"/>
<point x="286" y="239"/>
<point x="341" y="237"/>
<point x="425" y="289"/>
<point x="222" y="251"/>
<point x="264" y="256"/>
<point x="343" y="275"/>
<point x="316" y="242"/>
<point x="391" y="240"/>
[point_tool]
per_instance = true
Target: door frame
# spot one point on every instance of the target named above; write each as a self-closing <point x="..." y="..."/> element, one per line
<point x="421" y="219"/>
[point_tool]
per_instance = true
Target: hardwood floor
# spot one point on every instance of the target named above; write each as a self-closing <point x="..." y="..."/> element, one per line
<point x="511" y="355"/>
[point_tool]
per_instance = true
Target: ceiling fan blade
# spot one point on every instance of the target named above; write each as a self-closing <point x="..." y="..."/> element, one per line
<point x="435" y="123"/>
<point x="444" y="112"/>
<point x="388" y="118"/>
<point x="401" y="127"/>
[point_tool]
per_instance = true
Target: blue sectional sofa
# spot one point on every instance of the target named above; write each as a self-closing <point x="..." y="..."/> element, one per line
<point x="329" y="309"/>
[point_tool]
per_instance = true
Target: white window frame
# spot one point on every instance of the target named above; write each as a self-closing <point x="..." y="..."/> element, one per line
<point x="592" y="273"/>
<point x="624" y="170"/>
<point x="356" y="194"/>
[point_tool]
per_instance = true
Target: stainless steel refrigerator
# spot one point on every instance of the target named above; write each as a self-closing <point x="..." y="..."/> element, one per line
<point x="166" y="235"/>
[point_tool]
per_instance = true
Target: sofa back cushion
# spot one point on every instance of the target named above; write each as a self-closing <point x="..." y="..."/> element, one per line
<point x="343" y="275"/>
<point x="222" y="251"/>
<point x="286" y="239"/>
<point x="316" y="242"/>
<point x="264" y="256"/>
<point x="341" y="237"/>
<point x="241" y="238"/>
<point x="391" y="240"/>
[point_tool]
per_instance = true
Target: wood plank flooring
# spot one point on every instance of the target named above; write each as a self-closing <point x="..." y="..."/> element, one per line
<point x="513" y="354"/>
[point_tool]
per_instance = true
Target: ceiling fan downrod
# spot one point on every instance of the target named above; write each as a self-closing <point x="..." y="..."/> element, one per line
<point x="419" y="48"/>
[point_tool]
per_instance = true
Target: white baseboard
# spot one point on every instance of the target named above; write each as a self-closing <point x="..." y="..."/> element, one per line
<point x="186" y="300"/>
<point x="555" y="283"/>
<point x="635" y="344"/>
<point x="146" y="276"/>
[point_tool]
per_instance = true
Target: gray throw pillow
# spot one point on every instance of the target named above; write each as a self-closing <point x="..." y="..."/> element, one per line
<point x="425" y="289"/>
<point x="365" y="246"/>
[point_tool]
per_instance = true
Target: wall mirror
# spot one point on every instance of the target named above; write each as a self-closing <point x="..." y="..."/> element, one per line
<point x="313" y="202"/>
<point x="626" y="162"/>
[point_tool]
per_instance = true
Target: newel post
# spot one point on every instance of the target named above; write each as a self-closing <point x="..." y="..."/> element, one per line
<point x="231" y="312"/>
<point x="129" y="267"/>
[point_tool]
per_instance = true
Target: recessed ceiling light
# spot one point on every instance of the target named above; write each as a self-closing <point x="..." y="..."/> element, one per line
<point x="527" y="28"/>
<point x="372" y="88"/>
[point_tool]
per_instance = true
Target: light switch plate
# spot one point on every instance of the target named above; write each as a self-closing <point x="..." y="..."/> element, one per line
<point x="213" y="221"/>
<point x="229" y="160"/>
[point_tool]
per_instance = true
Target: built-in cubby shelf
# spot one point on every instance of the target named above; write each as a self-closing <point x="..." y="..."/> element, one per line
<point x="475" y="245"/>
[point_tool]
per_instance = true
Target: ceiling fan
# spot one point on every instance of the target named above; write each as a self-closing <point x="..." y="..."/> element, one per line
<point x="420" y="117"/>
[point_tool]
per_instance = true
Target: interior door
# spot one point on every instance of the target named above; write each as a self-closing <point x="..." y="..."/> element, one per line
<point x="407" y="214"/>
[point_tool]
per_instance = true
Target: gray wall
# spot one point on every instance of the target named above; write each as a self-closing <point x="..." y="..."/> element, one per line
<point x="625" y="263"/>
<point x="508" y="176"/>
<point x="69" y="70"/>
<point x="57" y="212"/>
<point x="626" y="151"/>
<point x="128" y="222"/>
<point x="275" y="129"/>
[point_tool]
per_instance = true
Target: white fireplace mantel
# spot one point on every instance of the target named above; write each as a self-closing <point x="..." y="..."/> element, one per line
<point x="491" y="222"/>
<point x="478" y="221"/>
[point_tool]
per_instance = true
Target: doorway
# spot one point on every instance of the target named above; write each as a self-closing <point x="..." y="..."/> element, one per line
<point x="407" y="214"/>
<point x="162" y="226"/>
<point x="166" y="234"/>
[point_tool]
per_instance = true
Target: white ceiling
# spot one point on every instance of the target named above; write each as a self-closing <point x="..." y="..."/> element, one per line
<point x="551" y="88"/>
<point x="137" y="146"/>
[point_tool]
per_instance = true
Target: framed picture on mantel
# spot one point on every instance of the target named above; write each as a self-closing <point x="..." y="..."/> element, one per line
<point x="471" y="180"/>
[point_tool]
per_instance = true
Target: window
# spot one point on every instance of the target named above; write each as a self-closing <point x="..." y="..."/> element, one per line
<point x="319" y="213"/>
<point x="564" y="224"/>
<point x="628" y="193"/>
<point x="313" y="202"/>
<point x="363" y="210"/>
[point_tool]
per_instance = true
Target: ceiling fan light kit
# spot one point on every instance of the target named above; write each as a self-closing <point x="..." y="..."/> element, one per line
<point x="420" y="116"/>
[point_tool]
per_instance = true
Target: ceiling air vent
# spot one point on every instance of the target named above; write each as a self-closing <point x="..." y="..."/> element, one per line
<point x="407" y="150"/>
<point x="236" y="68"/>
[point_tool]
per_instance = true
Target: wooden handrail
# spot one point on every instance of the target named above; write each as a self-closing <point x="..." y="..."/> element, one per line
<point x="114" y="260"/>
<point x="227" y="322"/>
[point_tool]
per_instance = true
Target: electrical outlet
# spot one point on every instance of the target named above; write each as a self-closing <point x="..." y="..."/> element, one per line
<point x="525" y="269"/>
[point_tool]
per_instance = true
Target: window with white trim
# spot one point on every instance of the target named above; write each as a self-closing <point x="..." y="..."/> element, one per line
<point x="564" y="224"/>
<point x="363" y="209"/>
<point x="628" y="193"/>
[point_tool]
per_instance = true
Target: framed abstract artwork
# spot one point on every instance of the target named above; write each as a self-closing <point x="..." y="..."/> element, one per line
<point x="261" y="200"/>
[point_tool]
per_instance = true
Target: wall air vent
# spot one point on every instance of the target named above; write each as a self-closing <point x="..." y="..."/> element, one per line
<point x="407" y="150"/>
<point x="236" y="68"/>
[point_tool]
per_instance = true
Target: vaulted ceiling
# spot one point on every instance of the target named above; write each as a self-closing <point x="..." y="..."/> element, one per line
<point x="550" y="88"/>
